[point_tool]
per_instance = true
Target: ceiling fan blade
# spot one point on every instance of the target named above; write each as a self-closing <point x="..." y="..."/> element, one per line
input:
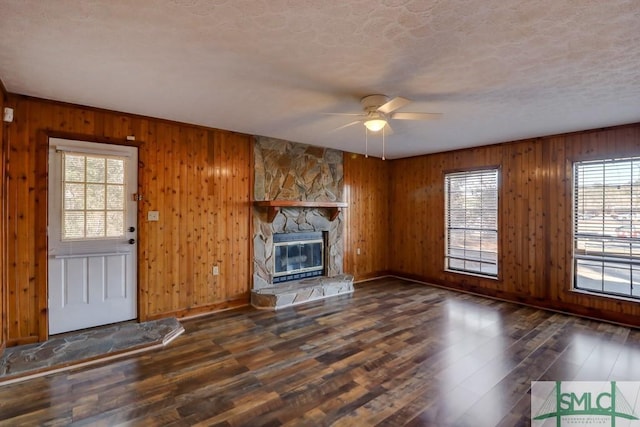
<point x="394" y="104"/>
<point x="344" y="114"/>
<point x="347" y="125"/>
<point x="416" y="116"/>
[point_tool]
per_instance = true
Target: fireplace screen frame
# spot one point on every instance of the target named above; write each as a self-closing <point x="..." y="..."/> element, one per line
<point x="287" y="240"/>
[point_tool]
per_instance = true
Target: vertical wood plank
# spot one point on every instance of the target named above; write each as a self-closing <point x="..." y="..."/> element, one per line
<point x="219" y="220"/>
<point x="200" y="228"/>
<point x="3" y="226"/>
<point x="23" y="307"/>
<point x="141" y="132"/>
<point x="184" y="242"/>
<point x="161" y="268"/>
<point x="173" y="220"/>
<point x="40" y="238"/>
<point x="212" y="216"/>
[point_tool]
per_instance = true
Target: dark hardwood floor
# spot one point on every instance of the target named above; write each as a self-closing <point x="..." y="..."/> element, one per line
<point x="394" y="353"/>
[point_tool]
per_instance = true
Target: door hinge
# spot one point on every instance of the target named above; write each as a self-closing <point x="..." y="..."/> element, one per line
<point x="137" y="197"/>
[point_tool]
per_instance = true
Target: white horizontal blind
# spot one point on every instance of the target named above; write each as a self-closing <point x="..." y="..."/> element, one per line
<point x="471" y="222"/>
<point x="607" y="226"/>
<point x="93" y="196"/>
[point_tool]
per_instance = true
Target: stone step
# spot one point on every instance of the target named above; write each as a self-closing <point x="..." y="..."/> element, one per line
<point x="301" y="291"/>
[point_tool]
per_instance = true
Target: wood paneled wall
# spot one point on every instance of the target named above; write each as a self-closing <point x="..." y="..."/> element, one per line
<point x="535" y="223"/>
<point x="199" y="179"/>
<point x="3" y="233"/>
<point x="366" y="184"/>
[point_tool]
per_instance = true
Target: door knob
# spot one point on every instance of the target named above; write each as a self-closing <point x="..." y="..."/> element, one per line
<point x="132" y="229"/>
<point x="132" y="241"/>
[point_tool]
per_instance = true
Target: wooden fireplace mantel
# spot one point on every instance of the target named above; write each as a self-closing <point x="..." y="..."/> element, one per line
<point x="274" y="206"/>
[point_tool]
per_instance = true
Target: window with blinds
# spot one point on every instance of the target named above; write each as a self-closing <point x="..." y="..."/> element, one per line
<point x="606" y="215"/>
<point x="93" y="196"/>
<point x="471" y="222"/>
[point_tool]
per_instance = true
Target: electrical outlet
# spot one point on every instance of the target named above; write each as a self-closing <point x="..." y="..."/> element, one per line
<point x="216" y="270"/>
<point x="358" y="251"/>
<point x="153" y="216"/>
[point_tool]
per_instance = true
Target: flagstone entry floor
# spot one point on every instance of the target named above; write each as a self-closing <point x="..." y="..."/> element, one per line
<point x="94" y="345"/>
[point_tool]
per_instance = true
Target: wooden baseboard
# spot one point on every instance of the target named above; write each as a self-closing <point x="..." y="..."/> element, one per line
<point x="202" y="310"/>
<point x="559" y="307"/>
<point x="370" y="276"/>
<point x="22" y="341"/>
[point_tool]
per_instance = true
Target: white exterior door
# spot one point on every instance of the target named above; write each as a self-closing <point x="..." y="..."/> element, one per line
<point x="92" y="234"/>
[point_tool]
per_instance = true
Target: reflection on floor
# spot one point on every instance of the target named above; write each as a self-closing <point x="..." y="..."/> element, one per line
<point x="89" y="345"/>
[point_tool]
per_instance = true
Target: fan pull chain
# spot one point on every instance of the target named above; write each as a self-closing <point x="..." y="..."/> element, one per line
<point x="383" y="143"/>
<point x="366" y="143"/>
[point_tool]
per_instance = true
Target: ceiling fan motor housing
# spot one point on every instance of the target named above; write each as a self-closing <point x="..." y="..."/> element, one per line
<point x="373" y="102"/>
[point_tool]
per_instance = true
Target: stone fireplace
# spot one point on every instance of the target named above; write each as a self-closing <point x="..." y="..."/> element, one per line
<point x="306" y="180"/>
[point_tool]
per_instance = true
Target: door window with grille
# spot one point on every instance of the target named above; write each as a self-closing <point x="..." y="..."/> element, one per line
<point x="93" y="196"/>
<point x="471" y="222"/>
<point x="606" y="216"/>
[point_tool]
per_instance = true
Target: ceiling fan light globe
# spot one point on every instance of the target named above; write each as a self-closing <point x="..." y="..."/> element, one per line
<point x="375" y="125"/>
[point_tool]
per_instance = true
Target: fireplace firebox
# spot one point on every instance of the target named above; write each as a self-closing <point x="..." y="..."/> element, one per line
<point x="298" y="256"/>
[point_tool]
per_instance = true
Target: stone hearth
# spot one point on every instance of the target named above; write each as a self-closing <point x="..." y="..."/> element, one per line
<point x="302" y="291"/>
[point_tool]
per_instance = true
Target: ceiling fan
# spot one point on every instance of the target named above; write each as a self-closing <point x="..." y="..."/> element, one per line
<point x="379" y="110"/>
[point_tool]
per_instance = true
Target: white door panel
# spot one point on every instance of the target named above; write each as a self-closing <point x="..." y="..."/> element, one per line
<point x="92" y="264"/>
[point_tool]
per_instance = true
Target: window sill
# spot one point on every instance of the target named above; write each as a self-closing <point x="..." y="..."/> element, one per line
<point x="605" y="296"/>
<point x="468" y="273"/>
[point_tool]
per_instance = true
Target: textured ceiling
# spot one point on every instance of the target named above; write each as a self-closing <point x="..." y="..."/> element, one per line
<point x="498" y="70"/>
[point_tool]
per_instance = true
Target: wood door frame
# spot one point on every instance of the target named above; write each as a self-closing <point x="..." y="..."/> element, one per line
<point x="41" y="262"/>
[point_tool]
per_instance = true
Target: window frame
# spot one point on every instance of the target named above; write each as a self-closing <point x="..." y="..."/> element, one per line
<point x="84" y="183"/>
<point x="602" y="257"/>
<point x="494" y="169"/>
